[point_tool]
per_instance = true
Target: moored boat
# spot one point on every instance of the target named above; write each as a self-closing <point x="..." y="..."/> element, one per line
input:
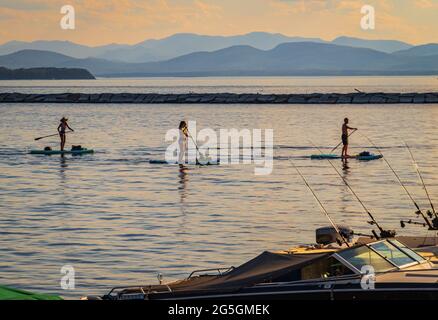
<point x="383" y="269"/>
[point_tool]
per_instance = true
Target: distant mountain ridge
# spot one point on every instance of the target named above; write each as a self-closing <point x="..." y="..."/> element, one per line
<point x="63" y="47"/>
<point x="295" y="58"/>
<point x="154" y="50"/>
<point x="423" y="50"/>
<point x="45" y="74"/>
<point x="387" y="46"/>
<point x="185" y="43"/>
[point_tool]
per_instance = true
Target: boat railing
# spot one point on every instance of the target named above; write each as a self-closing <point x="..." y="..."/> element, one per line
<point x="143" y="290"/>
<point x="203" y="272"/>
<point x="320" y="281"/>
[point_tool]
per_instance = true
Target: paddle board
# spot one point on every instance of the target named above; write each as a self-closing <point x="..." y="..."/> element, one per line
<point x="53" y="152"/>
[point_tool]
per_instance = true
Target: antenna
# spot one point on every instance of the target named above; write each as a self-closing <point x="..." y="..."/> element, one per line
<point x="418" y="212"/>
<point x="383" y="233"/>
<point x="321" y="205"/>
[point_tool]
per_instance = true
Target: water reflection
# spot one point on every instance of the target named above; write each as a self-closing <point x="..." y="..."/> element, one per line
<point x="183" y="179"/>
<point x="62" y="168"/>
<point x="345" y="166"/>
<point x="182" y="189"/>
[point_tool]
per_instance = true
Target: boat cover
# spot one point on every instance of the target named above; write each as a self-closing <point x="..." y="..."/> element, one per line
<point x="266" y="267"/>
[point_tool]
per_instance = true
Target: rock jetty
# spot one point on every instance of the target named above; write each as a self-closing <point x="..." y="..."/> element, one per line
<point x="224" y="98"/>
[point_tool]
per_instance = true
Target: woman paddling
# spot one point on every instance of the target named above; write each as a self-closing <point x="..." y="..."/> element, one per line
<point x="183" y="141"/>
<point x="61" y="129"/>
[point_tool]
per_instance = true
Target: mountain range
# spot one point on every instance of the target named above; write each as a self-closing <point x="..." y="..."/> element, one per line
<point x="251" y="54"/>
<point x="185" y="43"/>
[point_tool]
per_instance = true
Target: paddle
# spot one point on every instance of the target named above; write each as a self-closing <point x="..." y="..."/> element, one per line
<point x="333" y="150"/>
<point x="197" y="149"/>
<point x="51" y="135"/>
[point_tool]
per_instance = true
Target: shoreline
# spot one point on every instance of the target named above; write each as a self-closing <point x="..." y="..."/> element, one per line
<point x="224" y="98"/>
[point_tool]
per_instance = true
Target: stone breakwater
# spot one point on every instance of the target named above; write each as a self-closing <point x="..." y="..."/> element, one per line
<point x="223" y="98"/>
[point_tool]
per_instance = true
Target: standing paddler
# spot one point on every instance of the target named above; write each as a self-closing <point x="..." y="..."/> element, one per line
<point x="344" y="137"/>
<point x="62" y="129"/>
<point x="183" y="141"/>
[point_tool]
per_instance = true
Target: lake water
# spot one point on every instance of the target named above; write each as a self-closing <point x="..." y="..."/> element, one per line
<point x="224" y="84"/>
<point x="119" y="220"/>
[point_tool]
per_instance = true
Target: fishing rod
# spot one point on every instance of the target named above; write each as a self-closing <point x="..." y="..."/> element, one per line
<point x="432" y="214"/>
<point x="321" y="206"/>
<point x="418" y="212"/>
<point x="422" y="182"/>
<point x="383" y="233"/>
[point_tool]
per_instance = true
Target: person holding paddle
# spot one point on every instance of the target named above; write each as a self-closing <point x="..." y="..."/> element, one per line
<point x="184" y="135"/>
<point x="345" y="135"/>
<point x="183" y="141"/>
<point x="62" y="130"/>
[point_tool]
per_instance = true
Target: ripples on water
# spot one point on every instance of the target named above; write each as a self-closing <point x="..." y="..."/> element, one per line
<point x="120" y="220"/>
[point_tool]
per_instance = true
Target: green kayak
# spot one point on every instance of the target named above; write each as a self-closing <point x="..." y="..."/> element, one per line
<point x="15" y="294"/>
<point x="73" y="152"/>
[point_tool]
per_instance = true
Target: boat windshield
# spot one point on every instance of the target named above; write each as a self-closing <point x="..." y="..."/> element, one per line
<point x="363" y="256"/>
<point x="408" y="251"/>
<point x="392" y="253"/>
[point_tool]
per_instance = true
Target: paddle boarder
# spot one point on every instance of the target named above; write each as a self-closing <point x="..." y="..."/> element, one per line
<point x="61" y="129"/>
<point x="344" y="137"/>
<point x="183" y="141"/>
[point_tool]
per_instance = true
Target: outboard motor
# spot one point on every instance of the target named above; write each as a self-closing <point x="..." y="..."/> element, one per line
<point x="328" y="235"/>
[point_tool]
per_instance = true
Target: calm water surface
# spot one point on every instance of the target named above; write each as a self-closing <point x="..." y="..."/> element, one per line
<point x="223" y="84"/>
<point x="120" y="220"/>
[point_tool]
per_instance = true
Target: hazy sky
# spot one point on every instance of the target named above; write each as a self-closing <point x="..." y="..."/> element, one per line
<point x="131" y="21"/>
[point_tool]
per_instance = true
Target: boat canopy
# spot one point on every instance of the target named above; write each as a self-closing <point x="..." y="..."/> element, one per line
<point x="268" y="267"/>
<point x="285" y="267"/>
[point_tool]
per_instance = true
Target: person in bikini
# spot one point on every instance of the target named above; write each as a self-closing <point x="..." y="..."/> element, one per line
<point x="344" y="137"/>
<point x="62" y="130"/>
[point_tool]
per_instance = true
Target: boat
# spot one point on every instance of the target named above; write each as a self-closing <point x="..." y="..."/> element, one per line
<point x="55" y="152"/>
<point x="325" y="271"/>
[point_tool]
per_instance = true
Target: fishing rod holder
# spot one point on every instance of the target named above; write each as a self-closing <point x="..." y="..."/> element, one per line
<point x="435" y="223"/>
<point x="403" y="223"/>
<point x="385" y="234"/>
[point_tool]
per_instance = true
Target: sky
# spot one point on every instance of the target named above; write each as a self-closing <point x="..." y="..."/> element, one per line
<point x="99" y="22"/>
